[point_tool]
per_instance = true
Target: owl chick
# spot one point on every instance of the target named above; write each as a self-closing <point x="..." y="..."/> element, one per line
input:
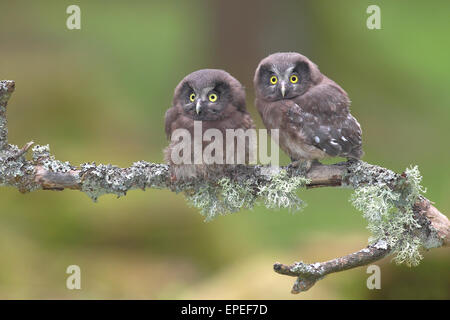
<point x="310" y="110"/>
<point x="214" y="99"/>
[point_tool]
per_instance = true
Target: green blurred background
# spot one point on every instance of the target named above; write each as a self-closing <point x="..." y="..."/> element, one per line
<point x="100" y="94"/>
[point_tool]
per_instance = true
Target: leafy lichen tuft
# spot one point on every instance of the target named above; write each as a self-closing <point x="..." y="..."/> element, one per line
<point x="206" y="198"/>
<point x="388" y="207"/>
<point x="414" y="179"/>
<point x="225" y="195"/>
<point x="280" y="192"/>
<point x="236" y="195"/>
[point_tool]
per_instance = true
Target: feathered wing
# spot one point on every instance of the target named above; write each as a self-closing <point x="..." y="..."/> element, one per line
<point x="169" y="119"/>
<point x="247" y="123"/>
<point x="323" y="116"/>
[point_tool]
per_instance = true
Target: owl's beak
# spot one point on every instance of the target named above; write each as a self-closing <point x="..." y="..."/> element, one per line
<point x="198" y="106"/>
<point x="283" y="89"/>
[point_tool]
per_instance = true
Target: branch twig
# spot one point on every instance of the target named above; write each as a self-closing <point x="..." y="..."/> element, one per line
<point x="308" y="274"/>
<point x="43" y="171"/>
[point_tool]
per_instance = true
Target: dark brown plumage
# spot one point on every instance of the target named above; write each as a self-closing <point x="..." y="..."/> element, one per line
<point x="310" y="110"/>
<point x="192" y="102"/>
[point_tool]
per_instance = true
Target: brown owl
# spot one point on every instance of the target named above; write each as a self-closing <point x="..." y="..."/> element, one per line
<point x="215" y="100"/>
<point x="310" y="110"/>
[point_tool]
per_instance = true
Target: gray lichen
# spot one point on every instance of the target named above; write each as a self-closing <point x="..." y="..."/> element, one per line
<point x="15" y="171"/>
<point x="6" y="89"/>
<point x="219" y="198"/>
<point x="361" y="173"/>
<point x="308" y="270"/>
<point x="97" y="180"/>
<point x="277" y="189"/>
<point x="387" y="204"/>
<point x="41" y="155"/>
<point x="281" y="191"/>
<point x="9" y="169"/>
<point x="207" y="199"/>
<point x="237" y="195"/>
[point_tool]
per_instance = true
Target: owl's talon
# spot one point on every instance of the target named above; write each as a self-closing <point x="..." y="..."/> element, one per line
<point x="294" y="164"/>
<point x="315" y="162"/>
<point x="301" y="165"/>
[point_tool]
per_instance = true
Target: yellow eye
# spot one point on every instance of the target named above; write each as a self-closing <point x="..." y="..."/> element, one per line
<point x="192" y="97"/>
<point x="293" y="78"/>
<point x="213" y="97"/>
<point x="273" y="80"/>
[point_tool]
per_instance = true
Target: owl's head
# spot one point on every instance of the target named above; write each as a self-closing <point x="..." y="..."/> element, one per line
<point x="206" y="94"/>
<point x="285" y="75"/>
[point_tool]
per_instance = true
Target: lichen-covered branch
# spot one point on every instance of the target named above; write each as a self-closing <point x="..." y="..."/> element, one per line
<point x="400" y="219"/>
<point x="308" y="274"/>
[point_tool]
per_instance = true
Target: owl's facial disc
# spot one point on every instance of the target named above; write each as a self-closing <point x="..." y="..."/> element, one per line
<point x="278" y="84"/>
<point x="281" y="81"/>
<point x="204" y="104"/>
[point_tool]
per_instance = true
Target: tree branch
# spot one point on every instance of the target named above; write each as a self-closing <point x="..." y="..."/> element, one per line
<point x="43" y="171"/>
<point x="308" y="274"/>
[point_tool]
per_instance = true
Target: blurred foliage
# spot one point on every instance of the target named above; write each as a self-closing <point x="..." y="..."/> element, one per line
<point x="100" y="93"/>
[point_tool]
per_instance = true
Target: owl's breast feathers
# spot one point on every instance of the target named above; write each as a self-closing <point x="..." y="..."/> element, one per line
<point x="315" y="125"/>
<point x="232" y="118"/>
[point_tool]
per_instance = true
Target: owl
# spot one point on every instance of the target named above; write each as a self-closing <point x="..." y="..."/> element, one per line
<point x="213" y="99"/>
<point x="310" y="110"/>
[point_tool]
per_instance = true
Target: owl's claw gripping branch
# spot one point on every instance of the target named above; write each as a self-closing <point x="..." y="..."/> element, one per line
<point x="43" y="171"/>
